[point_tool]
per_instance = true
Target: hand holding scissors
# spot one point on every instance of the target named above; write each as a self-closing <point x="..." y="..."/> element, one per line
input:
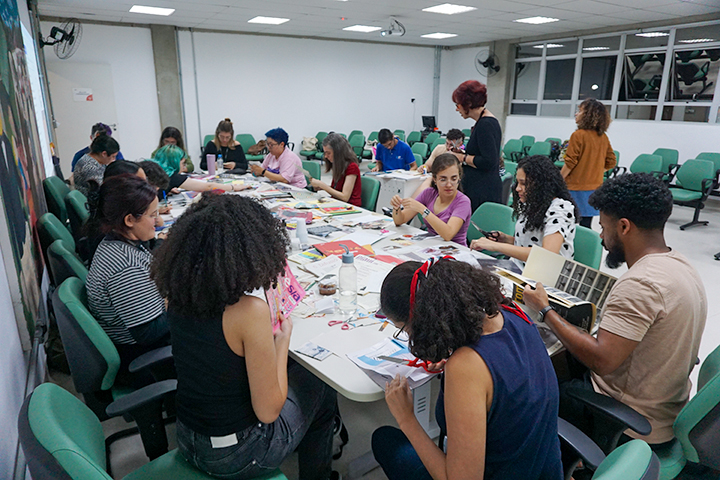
<point x="417" y="363"/>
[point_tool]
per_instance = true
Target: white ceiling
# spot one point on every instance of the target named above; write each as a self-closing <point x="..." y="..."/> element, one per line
<point x="493" y="19"/>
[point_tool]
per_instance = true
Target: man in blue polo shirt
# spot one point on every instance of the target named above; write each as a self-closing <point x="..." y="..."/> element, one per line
<point x="392" y="153"/>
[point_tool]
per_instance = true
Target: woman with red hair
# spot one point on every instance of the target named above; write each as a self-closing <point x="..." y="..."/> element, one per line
<point x="481" y="159"/>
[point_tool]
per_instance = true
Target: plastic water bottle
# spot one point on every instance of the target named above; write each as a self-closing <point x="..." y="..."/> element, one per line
<point x="210" y="163"/>
<point x="347" y="280"/>
<point x="220" y="163"/>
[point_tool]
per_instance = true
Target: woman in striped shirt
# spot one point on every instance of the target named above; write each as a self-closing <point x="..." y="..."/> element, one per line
<point x="121" y="296"/>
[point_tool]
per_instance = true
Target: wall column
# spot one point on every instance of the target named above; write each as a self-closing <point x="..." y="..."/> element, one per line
<point x="499" y="88"/>
<point x="167" y="75"/>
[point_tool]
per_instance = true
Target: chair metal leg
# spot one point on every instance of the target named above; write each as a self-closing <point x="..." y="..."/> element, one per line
<point x="695" y="220"/>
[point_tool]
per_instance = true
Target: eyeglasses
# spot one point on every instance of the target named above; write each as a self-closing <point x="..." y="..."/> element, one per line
<point x="447" y="181"/>
<point x="399" y="331"/>
<point x="271" y="145"/>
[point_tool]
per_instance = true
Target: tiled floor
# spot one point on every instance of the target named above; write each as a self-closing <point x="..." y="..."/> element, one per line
<point x="698" y="243"/>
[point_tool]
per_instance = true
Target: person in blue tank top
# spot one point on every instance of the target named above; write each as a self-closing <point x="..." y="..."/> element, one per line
<point x="499" y="398"/>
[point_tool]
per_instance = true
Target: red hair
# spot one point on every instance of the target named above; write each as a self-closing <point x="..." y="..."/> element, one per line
<point x="470" y="94"/>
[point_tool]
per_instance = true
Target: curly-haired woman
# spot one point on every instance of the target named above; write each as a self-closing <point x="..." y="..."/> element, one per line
<point x="545" y="213"/>
<point x="498" y="403"/>
<point x="588" y="156"/>
<point x="242" y="408"/>
<point x="481" y="159"/>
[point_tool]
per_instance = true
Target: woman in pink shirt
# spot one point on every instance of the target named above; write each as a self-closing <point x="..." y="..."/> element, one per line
<point x="280" y="164"/>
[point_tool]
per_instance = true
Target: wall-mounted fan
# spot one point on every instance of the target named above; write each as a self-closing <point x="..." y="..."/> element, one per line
<point x="487" y="63"/>
<point x="65" y="39"/>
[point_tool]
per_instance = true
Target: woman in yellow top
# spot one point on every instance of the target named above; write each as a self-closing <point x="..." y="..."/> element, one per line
<point x="589" y="155"/>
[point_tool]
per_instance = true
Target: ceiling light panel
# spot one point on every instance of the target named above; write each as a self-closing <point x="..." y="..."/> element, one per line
<point x="595" y="49"/>
<point x="449" y="9"/>
<point x="652" y="34"/>
<point x="151" y="10"/>
<point x="362" y="28"/>
<point x="537" y="20"/>
<point x="269" y="20"/>
<point x="439" y="36"/>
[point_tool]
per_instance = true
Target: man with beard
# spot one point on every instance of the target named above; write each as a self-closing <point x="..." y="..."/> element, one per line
<point x="653" y="319"/>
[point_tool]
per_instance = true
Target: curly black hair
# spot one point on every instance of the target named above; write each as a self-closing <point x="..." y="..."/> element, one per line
<point x="156" y="176"/>
<point x="446" y="315"/>
<point x="543" y="183"/>
<point x="221" y="248"/>
<point x="640" y="197"/>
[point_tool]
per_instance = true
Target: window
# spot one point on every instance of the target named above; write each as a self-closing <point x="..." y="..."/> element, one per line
<point x="556" y="110"/>
<point x="642" y="76"/>
<point x="695" y="73"/>
<point x="686" y="113"/>
<point x="563" y="47"/>
<point x="596" y="80"/>
<point x="647" y="40"/>
<point x="636" y="112"/>
<point x="600" y="44"/>
<point x="527" y="75"/>
<point x="523" y="109"/>
<point x="559" y="76"/>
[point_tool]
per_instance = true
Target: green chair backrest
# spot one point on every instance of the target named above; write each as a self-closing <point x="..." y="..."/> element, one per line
<point x="511" y="167"/>
<point x="208" y="138"/>
<point x="370" y="191"/>
<point x="84" y="339"/>
<point x="418" y="159"/>
<point x="400" y="136"/>
<point x="373" y="136"/>
<point x="553" y="139"/>
<point x="467" y="132"/>
<point x="421" y="149"/>
<point x="55" y="192"/>
<point x="631" y="461"/>
<point x="64" y="264"/>
<point x="439" y="141"/>
<point x="491" y="216"/>
<point x="431" y="137"/>
<point x="50" y="229"/>
<point x="691" y="174"/>
<point x="697" y="426"/>
<point x="414" y="137"/>
<point x="245" y="140"/>
<point x="540" y="148"/>
<point x="527" y="140"/>
<point x="66" y="430"/>
<point x="357" y="143"/>
<point x="78" y="212"/>
<point x="320" y="137"/>
<point x="713" y="157"/>
<point x="353" y="133"/>
<point x="669" y="156"/>
<point x="399" y="131"/>
<point x="512" y="149"/>
<point x="313" y="168"/>
<point x="646" y="163"/>
<point x="588" y="247"/>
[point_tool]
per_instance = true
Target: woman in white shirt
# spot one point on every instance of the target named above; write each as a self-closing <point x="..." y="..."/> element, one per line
<point x="545" y="213"/>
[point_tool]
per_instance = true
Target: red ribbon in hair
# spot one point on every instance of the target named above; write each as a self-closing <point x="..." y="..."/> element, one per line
<point x="416" y="277"/>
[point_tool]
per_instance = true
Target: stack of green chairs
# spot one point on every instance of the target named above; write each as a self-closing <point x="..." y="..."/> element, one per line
<point x="414" y="137"/>
<point x="421" y="149"/>
<point x="246" y="141"/>
<point x="55" y="192"/>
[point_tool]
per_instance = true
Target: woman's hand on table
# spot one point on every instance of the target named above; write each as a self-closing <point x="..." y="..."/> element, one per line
<point x="399" y="399"/>
<point x="396" y="202"/>
<point x="483" y="243"/>
<point x="413" y="205"/>
<point x="256" y="169"/>
<point x="228" y="165"/>
<point x="285" y="328"/>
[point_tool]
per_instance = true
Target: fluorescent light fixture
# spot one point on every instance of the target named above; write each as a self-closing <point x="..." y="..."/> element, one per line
<point x="652" y="34"/>
<point x="697" y="40"/>
<point x="151" y="10"/>
<point x="269" y="20"/>
<point x="537" y="20"/>
<point x="449" y="9"/>
<point x="595" y="49"/>
<point x="439" y="36"/>
<point x="362" y="28"/>
<point x="550" y="45"/>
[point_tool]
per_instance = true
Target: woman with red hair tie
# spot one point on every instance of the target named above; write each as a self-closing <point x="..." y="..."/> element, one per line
<point x="481" y="159"/>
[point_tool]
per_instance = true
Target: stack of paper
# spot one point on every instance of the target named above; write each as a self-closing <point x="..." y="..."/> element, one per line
<point x="382" y="371"/>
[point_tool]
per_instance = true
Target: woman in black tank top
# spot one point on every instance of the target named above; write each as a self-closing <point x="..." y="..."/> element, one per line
<point x="241" y="407"/>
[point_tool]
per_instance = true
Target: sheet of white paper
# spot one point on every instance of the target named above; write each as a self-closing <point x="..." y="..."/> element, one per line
<point x="342" y="342"/>
<point x="365" y="237"/>
<point x="322" y="267"/>
<point x="325" y="305"/>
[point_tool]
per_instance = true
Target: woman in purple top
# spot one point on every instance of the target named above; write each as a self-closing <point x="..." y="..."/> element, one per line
<point x="445" y="210"/>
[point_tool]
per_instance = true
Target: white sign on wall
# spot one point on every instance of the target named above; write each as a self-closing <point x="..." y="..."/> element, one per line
<point x="82" y="94"/>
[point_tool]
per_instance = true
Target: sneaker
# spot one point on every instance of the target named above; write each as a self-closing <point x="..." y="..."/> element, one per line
<point x="340" y="437"/>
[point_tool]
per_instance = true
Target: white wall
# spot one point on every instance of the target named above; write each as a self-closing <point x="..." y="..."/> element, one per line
<point x="128" y="51"/>
<point x="456" y="66"/>
<point x="303" y="86"/>
<point x="629" y="137"/>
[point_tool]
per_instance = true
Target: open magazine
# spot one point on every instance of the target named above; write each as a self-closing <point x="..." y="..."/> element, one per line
<point x="284" y="297"/>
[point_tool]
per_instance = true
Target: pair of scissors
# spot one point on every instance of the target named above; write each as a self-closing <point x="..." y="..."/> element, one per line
<point x="493" y="234"/>
<point x="348" y="325"/>
<point x="417" y="363"/>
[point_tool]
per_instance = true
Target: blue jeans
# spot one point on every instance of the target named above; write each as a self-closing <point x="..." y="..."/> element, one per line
<point x="305" y="423"/>
<point x="396" y="455"/>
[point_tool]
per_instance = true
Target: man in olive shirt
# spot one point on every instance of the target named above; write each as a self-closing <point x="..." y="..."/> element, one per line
<point x="654" y="317"/>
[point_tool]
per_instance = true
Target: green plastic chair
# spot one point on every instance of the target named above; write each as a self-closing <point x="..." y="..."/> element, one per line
<point x="63" y="263"/>
<point x="421" y="149"/>
<point x="588" y="247"/>
<point x="399" y="131"/>
<point x="647" y="163"/>
<point x="418" y="159"/>
<point x="669" y="157"/>
<point x="78" y="213"/>
<point x="540" y="148"/>
<point x="491" y="217"/>
<point x="62" y="438"/>
<point x="357" y="143"/>
<point x="309" y="154"/>
<point x="55" y="192"/>
<point x="513" y="150"/>
<point x="439" y="141"/>
<point x="713" y="157"/>
<point x="400" y="136"/>
<point x="507" y="182"/>
<point x="431" y="137"/>
<point x="693" y="182"/>
<point x="370" y="191"/>
<point x="208" y="138"/>
<point x="373" y="136"/>
<point x="355" y="132"/>
<point x="527" y="141"/>
<point x="49" y="230"/>
<point x="467" y="132"/>
<point x="511" y="167"/>
<point x="313" y="168"/>
<point x="414" y="137"/>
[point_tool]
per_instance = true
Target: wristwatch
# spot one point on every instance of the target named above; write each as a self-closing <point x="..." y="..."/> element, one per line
<point x="263" y="172"/>
<point x="544" y="312"/>
<point x="425" y="213"/>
